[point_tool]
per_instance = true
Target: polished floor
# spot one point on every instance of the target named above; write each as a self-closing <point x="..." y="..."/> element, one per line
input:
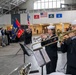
<point x="10" y="60"/>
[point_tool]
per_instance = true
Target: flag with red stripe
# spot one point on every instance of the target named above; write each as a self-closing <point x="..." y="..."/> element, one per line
<point x="17" y="23"/>
<point x="28" y="18"/>
<point x="43" y="14"/>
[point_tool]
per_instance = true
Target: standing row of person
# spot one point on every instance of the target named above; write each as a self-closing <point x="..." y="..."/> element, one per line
<point x="5" y="37"/>
<point x="68" y="45"/>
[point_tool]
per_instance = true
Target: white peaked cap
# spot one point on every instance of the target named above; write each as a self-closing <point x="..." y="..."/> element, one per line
<point x="57" y="73"/>
<point x="73" y="22"/>
<point x="50" y="27"/>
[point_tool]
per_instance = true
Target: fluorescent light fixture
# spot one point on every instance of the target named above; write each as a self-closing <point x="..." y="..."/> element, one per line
<point x="0" y="7"/>
<point x="22" y="0"/>
<point x="12" y="3"/>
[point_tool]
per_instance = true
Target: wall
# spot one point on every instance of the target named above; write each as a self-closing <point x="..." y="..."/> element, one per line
<point x="29" y="4"/>
<point x="5" y="19"/>
<point x="68" y="1"/>
<point x="68" y="16"/>
<point x="35" y="28"/>
<point x="24" y="18"/>
<point x="73" y="1"/>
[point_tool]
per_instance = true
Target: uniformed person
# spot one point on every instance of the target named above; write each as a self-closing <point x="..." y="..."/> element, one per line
<point x="69" y="46"/>
<point x="51" y="49"/>
<point x="28" y="36"/>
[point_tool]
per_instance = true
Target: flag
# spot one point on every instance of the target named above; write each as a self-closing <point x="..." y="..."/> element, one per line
<point x="17" y="23"/>
<point x="51" y="15"/>
<point x="20" y="32"/>
<point x="36" y="16"/>
<point x="59" y="15"/>
<point x="14" y="31"/>
<point x="43" y="14"/>
<point x="28" y="17"/>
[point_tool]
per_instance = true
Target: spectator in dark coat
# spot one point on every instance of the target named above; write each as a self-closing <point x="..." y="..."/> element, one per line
<point x="28" y="36"/>
<point x="8" y="33"/>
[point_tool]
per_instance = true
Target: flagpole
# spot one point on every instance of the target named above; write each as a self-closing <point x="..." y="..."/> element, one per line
<point x="26" y="16"/>
<point x="33" y="14"/>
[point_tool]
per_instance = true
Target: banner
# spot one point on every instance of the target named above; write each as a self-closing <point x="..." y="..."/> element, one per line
<point x="51" y="15"/>
<point x="16" y="30"/>
<point x="59" y="15"/>
<point x="36" y="16"/>
<point x="20" y="32"/>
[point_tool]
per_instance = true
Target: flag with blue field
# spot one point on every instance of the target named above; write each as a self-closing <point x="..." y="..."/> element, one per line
<point x="15" y="25"/>
<point x="59" y="15"/>
<point x="14" y="32"/>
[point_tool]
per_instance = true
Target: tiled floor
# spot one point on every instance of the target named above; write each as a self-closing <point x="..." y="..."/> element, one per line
<point x="9" y="60"/>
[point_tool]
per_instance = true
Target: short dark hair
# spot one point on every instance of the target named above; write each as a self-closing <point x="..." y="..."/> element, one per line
<point x="53" y="30"/>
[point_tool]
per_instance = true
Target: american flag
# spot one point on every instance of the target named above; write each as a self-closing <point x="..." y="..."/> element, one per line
<point x="28" y="17"/>
<point x="43" y="14"/>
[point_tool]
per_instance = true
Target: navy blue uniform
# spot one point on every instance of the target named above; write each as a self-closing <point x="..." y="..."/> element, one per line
<point x="27" y="37"/>
<point x="69" y="46"/>
<point x="52" y="53"/>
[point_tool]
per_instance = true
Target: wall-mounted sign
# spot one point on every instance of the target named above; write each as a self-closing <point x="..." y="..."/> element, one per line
<point x="59" y="15"/>
<point x="51" y="15"/>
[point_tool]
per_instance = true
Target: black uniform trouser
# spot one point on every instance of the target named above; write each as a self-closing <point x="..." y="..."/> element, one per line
<point x="8" y="40"/>
<point x="51" y="66"/>
<point x="71" y="70"/>
<point x="27" y="40"/>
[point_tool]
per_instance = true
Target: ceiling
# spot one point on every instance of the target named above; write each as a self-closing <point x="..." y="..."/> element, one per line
<point x="8" y="5"/>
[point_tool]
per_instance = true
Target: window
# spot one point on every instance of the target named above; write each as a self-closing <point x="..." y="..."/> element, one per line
<point x="42" y="0"/>
<point x="39" y="5"/>
<point x="50" y="0"/>
<point x="54" y="4"/>
<point x="35" y="5"/>
<point x="46" y="0"/>
<point x="46" y="4"/>
<point x="62" y="3"/>
<point x="38" y="1"/>
<point x="50" y="4"/>
<point x="54" y="0"/>
<point x="42" y="5"/>
<point x="58" y="4"/>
